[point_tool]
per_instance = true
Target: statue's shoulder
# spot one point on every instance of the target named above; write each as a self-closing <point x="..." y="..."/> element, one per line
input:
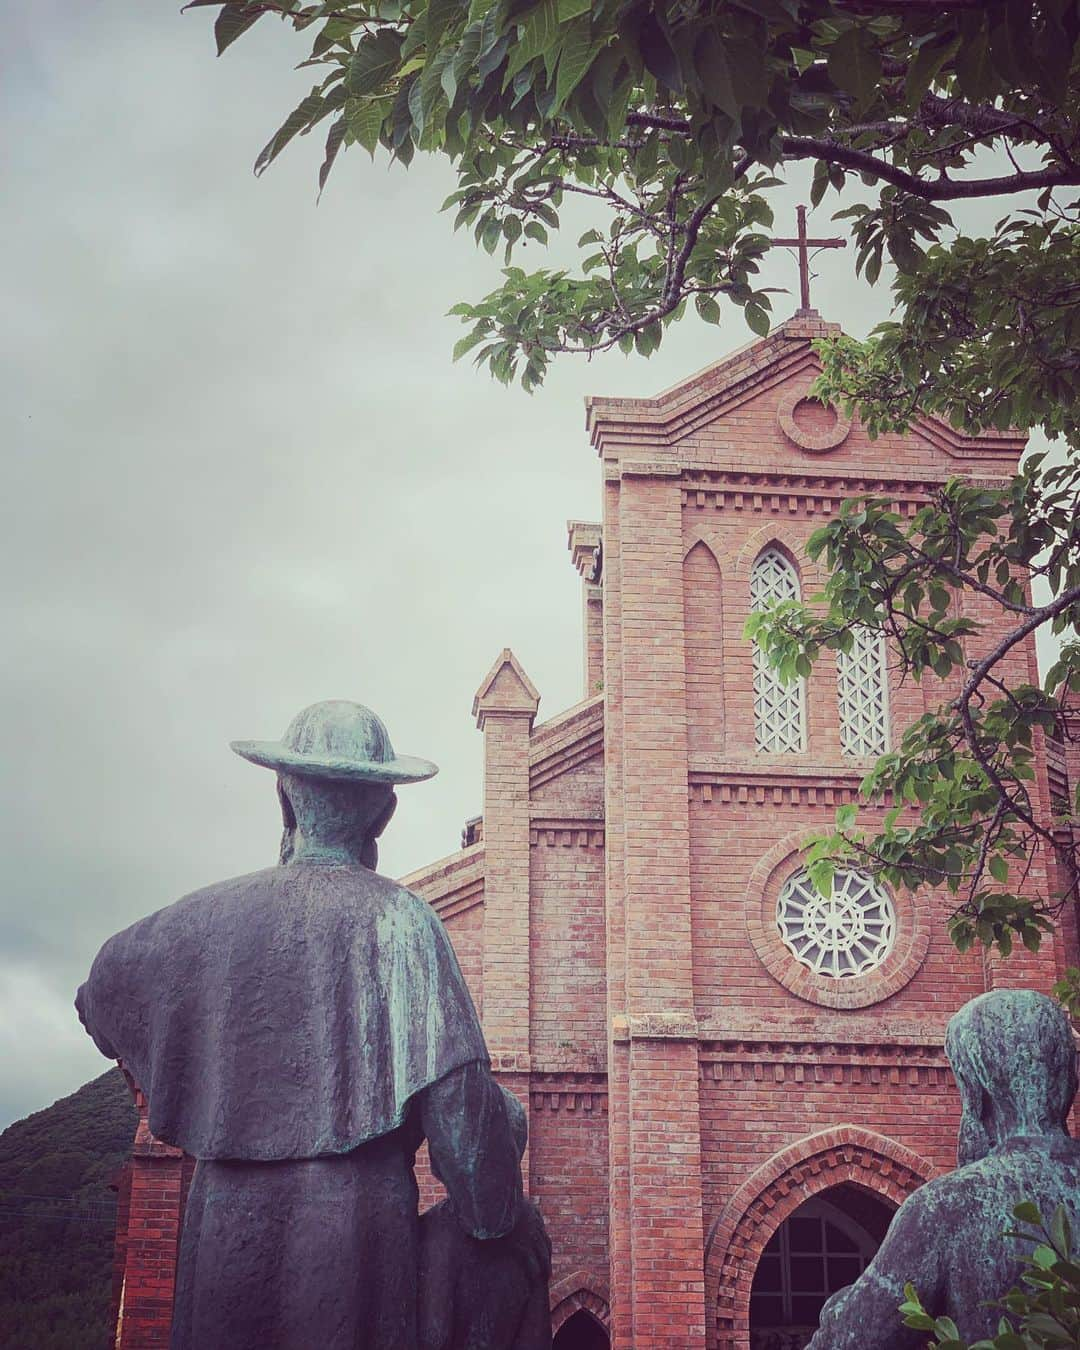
<point x="267" y="879"/>
<point x="204" y="903"/>
<point x="407" y="914"/>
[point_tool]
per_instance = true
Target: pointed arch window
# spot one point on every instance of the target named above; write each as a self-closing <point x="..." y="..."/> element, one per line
<point x="779" y="709"/>
<point x="863" y="695"/>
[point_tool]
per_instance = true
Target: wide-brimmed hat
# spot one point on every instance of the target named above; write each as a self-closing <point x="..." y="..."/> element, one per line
<point x="338" y="740"/>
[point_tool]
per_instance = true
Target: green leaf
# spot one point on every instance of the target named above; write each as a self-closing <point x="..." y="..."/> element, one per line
<point x="334" y="138"/>
<point x="999" y="868"/>
<point x="757" y="320"/>
<point x="570" y="9"/>
<point x="364" y="117"/>
<point x="658" y="54"/>
<point x="467" y="343"/>
<point x="376" y="59"/>
<point x="854" y="63"/>
<point x="233" y="20"/>
<point x="925" y="65"/>
<point x="440" y="14"/>
<point x="578" y="50"/>
<point x="711" y="64"/>
<point x="540" y="34"/>
<point x="974" y="69"/>
<point x="821" y="872"/>
<point x="707" y="307"/>
<point x="304" y="115"/>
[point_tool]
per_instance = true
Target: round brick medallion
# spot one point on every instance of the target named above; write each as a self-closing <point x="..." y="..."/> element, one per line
<point x="811" y="425"/>
<point x="847" y="955"/>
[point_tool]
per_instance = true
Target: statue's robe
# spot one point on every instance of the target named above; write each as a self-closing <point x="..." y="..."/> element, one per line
<point x="299" y="1031"/>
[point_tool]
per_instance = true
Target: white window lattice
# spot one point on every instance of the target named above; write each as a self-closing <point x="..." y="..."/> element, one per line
<point x="849" y="932"/>
<point x="862" y="694"/>
<point x="779" y="709"/>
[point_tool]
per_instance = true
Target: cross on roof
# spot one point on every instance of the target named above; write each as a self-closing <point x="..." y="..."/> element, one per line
<point x="804" y="245"/>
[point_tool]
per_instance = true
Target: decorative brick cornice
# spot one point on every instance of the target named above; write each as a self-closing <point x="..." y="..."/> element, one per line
<point x="709" y="489"/>
<point x="576" y="832"/>
<point x="585" y="1092"/>
<point x="583" y="540"/>
<point x="775" y="1190"/>
<point x="457" y="902"/>
<point x="650" y="468"/>
<point x="718" y="389"/>
<point x="840" y="1028"/>
<point x="817" y="1061"/>
<point x="894" y="1053"/>
<point x="771" y="786"/>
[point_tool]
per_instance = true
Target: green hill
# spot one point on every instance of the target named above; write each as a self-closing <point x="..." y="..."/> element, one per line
<point x="57" y="1218"/>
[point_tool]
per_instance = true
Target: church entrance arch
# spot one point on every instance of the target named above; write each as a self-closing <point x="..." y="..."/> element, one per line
<point x="866" y="1174"/>
<point x="820" y="1248"/>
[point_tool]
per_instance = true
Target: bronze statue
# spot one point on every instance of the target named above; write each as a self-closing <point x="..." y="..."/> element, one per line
<point x="299" y="1031"/>
<point x="1014" y="1058"/>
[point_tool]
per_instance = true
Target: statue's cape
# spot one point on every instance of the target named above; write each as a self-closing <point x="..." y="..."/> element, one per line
<point x="286" y="1014"/>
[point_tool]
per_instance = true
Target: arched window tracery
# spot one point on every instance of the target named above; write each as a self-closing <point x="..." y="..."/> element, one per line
<point x="862" y="694"/>
<point x="779" y="709"/>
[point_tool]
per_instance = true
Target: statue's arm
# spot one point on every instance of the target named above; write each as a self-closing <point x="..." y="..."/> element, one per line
<point x="866" y="1312"/>
<point x="472" y="1149"/>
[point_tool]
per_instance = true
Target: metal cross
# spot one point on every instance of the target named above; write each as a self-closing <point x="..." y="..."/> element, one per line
<point x="804" y="245"/>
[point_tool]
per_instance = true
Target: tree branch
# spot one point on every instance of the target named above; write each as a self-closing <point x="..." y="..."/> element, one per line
<point x="936" y="190"/>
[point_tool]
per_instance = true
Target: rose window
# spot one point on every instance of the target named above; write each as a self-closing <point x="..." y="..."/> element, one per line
<point x="849" y="932"/>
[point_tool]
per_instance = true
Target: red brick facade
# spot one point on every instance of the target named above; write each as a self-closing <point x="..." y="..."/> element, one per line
<point x="690" y="1085"/>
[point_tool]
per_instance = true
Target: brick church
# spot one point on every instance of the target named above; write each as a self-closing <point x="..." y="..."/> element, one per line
<point x="731" y="1083"/>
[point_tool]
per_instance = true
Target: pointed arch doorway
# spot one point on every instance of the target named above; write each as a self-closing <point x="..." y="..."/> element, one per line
<point x="581" y="1331"/>
<point x="822" y="1247"/>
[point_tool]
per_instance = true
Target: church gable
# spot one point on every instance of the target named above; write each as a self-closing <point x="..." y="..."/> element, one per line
<point x="751" y="411"/>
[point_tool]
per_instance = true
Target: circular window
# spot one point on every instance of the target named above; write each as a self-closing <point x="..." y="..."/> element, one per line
<point x="811" y="425"/>
<point x="849" y="932"/>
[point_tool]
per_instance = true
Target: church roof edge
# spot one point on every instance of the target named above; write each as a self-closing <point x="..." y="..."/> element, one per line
<point x="785" y="350"/>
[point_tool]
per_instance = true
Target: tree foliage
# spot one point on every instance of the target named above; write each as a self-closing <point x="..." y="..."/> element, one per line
<point x="675" y="119"/>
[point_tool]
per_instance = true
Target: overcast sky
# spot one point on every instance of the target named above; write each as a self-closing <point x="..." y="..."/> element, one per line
<point x="242" y="475"/>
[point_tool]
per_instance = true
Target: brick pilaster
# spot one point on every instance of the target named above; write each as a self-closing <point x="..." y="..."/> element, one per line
<point x="504" y="707"/>
<point x="662" y="1129"/>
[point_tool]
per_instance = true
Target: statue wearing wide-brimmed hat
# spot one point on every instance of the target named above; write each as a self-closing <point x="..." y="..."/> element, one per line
<point x="299" y="1031"/>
